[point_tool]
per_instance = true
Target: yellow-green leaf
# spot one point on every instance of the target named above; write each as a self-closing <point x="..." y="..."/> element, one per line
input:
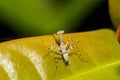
<point x="27" y="59"/>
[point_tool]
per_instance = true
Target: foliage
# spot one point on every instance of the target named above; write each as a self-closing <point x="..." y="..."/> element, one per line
<point x="25" y="59"/>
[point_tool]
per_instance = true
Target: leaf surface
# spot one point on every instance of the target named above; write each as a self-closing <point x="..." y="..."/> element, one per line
<point x="27" y="59"/>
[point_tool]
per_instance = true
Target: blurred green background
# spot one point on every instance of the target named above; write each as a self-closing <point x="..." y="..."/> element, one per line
<point x="25" y="18"/>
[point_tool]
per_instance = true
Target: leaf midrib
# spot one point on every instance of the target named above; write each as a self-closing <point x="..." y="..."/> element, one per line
<point x="101" y="67"/>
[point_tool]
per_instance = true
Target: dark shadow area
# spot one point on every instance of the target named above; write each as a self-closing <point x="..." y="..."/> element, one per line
<point x="100" y="18"/>
<point x="5" y="33"/>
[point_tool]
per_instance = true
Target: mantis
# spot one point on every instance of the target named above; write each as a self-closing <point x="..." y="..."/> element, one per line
<point x="64" y="48"/>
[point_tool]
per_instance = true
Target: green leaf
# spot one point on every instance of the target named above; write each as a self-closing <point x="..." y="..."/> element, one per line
<point x="27" y="59"/>
<point x="109" y="71"/>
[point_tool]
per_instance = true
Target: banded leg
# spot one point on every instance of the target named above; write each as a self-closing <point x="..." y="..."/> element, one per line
<point x="56" y="39"/>
<point x="80" y="56"/>
<point x="52" y="48"/>
<point x="68" y="45"/>
<point x="56" y="63"/>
